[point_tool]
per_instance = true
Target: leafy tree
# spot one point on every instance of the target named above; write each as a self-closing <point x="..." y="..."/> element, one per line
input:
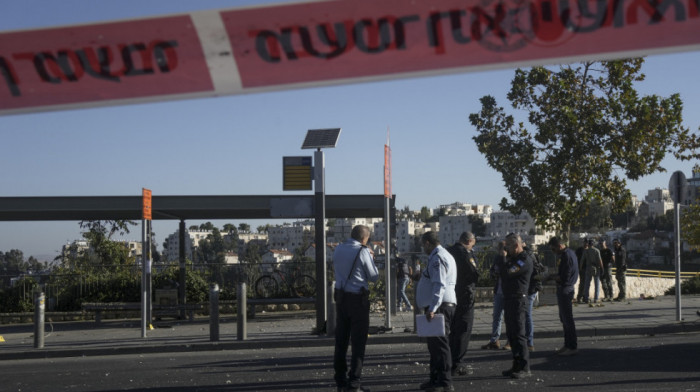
<point x="206" y="226"/>
<point x="596" y="218"/>
<point x="588" y="131"/>
<point x="193" y="228"/>
<point x="244" y="227"/>
<point x="478" y="225"/>
<point x="425" y="214"/>
<point x="252" y="253"/>
<point x="104" y="254"/>
<point x="690" y="222"/>
<point x="229" y="228"/>
<point x="264" y="228"/>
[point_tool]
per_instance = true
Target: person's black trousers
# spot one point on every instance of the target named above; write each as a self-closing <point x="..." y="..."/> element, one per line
<point x="352" y="325"/>
<point x="566" y="316"/>
<point x="461" y="332"/>
<point x="515" y="313"/>
<point x="439" y="349"/>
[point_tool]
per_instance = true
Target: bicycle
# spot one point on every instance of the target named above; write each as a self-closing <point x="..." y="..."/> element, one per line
<point x="268" y="286"/>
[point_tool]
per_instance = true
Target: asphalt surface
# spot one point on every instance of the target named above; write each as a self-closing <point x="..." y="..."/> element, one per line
<point x="295" y="329"/>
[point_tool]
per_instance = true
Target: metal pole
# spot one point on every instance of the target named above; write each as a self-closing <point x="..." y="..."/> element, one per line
<point x="320" y="239"/>
<point x="679" y="316"/>
<point x="242" y="313"/>
<point x="214" y="313"/>
<point x="39" y="307"/>
<point x="144" y="288"/>
<point x="389" y="305"/>
<point x="181" y="252"/>
<point x="330" y="325"/>
<point x="149" y="281"/>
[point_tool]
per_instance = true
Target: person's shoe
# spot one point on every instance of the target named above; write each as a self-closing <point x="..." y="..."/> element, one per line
<point x="512" y="369"/>
<point x="521" y="374"/>
<point x="440" y="388"/>
<point x="491" y="346"/>
<point x="507" y="347"/>
<point x="358" y="389"/>
<point x="567" y="352"/>
<point x="531" y="348"/>
<point x="460" y="371"/>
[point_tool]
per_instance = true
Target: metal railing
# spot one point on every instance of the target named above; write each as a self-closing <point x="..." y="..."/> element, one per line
<point x="640" y="273"/>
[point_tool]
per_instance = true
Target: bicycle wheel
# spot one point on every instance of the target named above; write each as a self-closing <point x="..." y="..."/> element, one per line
<point x="304" y="286"/>
<point x="265" y="287"/>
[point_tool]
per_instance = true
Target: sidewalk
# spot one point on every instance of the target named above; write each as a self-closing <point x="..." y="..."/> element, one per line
<point x="293" y="329"/>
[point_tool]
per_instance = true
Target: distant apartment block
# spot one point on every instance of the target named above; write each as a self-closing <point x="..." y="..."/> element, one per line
<point x="451" y="227"/>
<point x="171" y="246"/>
<point x="290" y="236"/>
<point x="505" y="222"/>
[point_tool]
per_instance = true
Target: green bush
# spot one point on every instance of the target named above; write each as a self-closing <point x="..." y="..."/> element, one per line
<point x="690" y="286"/>
<point x="18" y="298"/>
<point x="196" y="286"/>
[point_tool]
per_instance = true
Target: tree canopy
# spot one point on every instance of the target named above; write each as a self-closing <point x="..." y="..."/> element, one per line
<point x="587" y="132"/>
<point x="690" y="221"/>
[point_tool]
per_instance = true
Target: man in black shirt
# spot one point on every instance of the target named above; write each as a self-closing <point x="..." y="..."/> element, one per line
<point x="620" y="268"/>
<point x="467" y="275"/>
<point x="606" y="275"/>
<point x="515" y="275"/>
<point x="566" y="277"/>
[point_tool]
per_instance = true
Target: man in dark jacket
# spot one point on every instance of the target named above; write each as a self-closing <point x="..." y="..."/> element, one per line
<point x="620" y="268"/>
<point x="606" y="277"/>
<point x="566" y="277"/>
<point x="467" y="275"/>
<point x="515" y="276"/>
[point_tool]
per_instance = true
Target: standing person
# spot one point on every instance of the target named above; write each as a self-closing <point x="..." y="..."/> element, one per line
<point x="594" y="264"/>
<point x="538" y="271"/>
<point x="467" y="276"/>
<point x="606" y="276"/>
<point x="582" y="272"/>
<point x="566" y="277"/>
<point x="354" y="268"/>
<point x="436" y="295"/>
<point x="498" y="260"/>
<point x="516" y="274"/>
<point x="403" y="275"/>
<point x="620" y="268"/>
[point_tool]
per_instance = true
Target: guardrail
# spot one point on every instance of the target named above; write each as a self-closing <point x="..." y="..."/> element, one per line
<point x="640" y="273"/>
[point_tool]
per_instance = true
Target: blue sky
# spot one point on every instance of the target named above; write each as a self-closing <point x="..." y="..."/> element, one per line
<point x="234" y="145"/>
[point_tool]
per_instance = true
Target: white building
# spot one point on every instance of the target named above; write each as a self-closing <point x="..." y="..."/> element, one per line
<point x="290" y="236"/>
<point x="451" y="227"/>
<point x="245" y="239"/>
<point x="171" y="246"/>
<point x="659" y="201"/>
<point x="505" y="222"/>
<point x="342" y="228"/>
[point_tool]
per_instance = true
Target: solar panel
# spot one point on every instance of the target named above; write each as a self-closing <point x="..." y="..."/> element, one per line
<point x="321" y="138"/>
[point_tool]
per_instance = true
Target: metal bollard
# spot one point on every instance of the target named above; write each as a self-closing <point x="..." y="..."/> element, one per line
<point x="214" y="313"/>
<point x="39" y="307"/>
<point x="330" y="311"/>
<point x="242" y="313"/>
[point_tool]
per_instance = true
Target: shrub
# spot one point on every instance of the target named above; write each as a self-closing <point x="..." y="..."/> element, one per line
<point x="690" y="286"/>
<point x="18" y="298"/>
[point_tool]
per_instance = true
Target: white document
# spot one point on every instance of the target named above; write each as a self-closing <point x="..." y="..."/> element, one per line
<point x="434" y="327"/>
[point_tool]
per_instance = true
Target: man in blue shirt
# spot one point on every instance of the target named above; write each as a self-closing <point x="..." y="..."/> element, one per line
<point x="566" y="277"/>
<point x="354" y="269"/>
<point x="436" y="295"/>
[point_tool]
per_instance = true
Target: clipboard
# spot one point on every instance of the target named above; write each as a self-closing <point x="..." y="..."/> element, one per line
<point x="435" y="327"/>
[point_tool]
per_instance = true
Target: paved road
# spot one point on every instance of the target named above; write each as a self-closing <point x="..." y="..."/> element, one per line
<point x="660" y="363"/>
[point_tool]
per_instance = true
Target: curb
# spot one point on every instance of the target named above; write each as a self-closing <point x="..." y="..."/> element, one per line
<point x="317" y="341"/>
